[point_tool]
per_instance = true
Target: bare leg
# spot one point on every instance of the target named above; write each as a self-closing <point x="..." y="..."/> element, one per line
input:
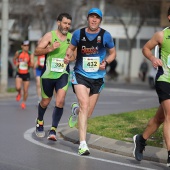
<point x="93" y="101"/>
<point x="166" y="107"/>
<point x="82" y="94"/>
<point x="25" y="90"/>
<point x="38" y="88"/>
<point x="86" y="106"/>
<point x="154" y="123"/>
<point x="18" y="84"/>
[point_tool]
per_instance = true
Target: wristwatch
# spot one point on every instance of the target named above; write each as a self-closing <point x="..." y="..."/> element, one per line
<point x="106" y="64"/>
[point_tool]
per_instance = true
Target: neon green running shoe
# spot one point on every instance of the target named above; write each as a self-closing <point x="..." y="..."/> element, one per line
<point x="83" y="150"/>
<point x="72" y="121"/>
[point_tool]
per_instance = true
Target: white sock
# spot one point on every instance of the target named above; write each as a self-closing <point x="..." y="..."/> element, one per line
<point x="82" y="142"/>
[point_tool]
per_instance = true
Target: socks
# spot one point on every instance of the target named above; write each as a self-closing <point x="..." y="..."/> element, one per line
<point x="57" y="114"/>
<point x="83" y="142"/>
<point x="169" y="155"/>
<point x="53" y="128"/>
<point x="142" y="139"/>
<point x="41" y="112"/>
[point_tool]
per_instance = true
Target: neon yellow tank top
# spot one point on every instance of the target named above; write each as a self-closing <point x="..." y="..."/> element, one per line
<point x="164" y="71"/>
<point x="54" y="60"/>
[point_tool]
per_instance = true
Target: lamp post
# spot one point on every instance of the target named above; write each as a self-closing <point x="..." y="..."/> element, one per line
<point x="4" y="47"/>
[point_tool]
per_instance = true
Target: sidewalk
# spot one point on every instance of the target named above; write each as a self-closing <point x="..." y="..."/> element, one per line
<point x="114" y="146"/>
<point x="11" y="84"/>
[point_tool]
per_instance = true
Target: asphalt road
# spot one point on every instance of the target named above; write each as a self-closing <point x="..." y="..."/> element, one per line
<point x="20" y="149"/>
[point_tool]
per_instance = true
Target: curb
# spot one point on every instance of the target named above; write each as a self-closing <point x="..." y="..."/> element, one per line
<point x="8" y="95"/>
<point x="114" y="146"/>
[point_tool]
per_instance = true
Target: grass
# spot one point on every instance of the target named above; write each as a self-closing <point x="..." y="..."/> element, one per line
<point x="125" y="125"/>
<point x="11" y="90"/>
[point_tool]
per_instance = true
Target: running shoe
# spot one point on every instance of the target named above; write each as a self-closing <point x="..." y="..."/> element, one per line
<point x="18" y="97"/>
<point x="39" y="131"/>
<point x="83" y="150"/>
<point x="72" y="121"/>
<point x="52" y="134"/>
<point x="23" y="105"/>
<point x="139" y="148"/>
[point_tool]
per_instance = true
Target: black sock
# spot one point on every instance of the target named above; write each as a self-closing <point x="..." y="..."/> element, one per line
<point x="142" y="139"/>
<point x="41" y="112"/>
<point x="168" y="154"/>
<point x="57" y="113"/>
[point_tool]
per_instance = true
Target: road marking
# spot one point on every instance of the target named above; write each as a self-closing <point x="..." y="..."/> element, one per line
<point x="28" y="136"/>
<point x="130" y="91"/>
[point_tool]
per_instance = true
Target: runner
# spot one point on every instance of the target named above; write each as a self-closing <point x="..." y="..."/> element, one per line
<point x="160" y="39"/>
<point x="55" y="74"/>
<point x="89" y="71"/>
<point x="38" y="66"/>
<point x="23" y="60"/>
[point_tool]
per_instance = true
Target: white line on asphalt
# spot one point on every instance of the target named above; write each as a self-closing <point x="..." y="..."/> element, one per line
<point x="130" y="91"/>
<point x="28" y="136"/>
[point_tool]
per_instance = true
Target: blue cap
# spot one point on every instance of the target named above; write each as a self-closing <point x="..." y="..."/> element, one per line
<point x="95" y="11"/>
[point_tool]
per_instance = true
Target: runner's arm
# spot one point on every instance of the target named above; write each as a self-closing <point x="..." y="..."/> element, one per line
<point x="74" y="55"/>
<point x="147" y="49"/>
<point x="15" y="59"/>
<point x="36" y="62"/>
<point x="31" y="60"/>
<point x="69" y="53"/>
<point x="109" y="59"/>
<point x="45" y="46"/>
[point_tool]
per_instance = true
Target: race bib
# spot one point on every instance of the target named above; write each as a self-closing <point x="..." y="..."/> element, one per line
<point x="91" y="64"/>
<point x="23" y="65"/>
<point x="42" y="62"/>
<point x="168" y="61"/>
<point x="58" y="65"/>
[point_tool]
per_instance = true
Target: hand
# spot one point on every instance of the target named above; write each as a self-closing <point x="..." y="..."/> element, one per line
<point x="102" y="65"/>
<point x="55" y="45"/>
<point x="67" y="59"/>
<point x="156" y="62"/>
<point x="17" y="63"/>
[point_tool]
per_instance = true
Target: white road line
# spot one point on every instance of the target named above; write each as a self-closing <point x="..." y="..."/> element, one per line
<point x="130" y="91"/>
<point x="28" y="136"/>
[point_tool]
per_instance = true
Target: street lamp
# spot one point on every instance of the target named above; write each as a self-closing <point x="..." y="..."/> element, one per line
<point x="4" y="47"/>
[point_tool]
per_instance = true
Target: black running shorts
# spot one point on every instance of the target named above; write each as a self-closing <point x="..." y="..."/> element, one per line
<point x="24" y="77"/>
<point x="95" y="85"/>
<point x="48" y="85"/>
<point x="163" y="90"/>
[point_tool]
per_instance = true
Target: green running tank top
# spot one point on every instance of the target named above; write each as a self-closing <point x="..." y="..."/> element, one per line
<point x="164" y="71"/>
<point x="54" y="59"/>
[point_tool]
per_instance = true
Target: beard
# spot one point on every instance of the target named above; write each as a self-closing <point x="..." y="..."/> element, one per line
<point x="64" y="32"/>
